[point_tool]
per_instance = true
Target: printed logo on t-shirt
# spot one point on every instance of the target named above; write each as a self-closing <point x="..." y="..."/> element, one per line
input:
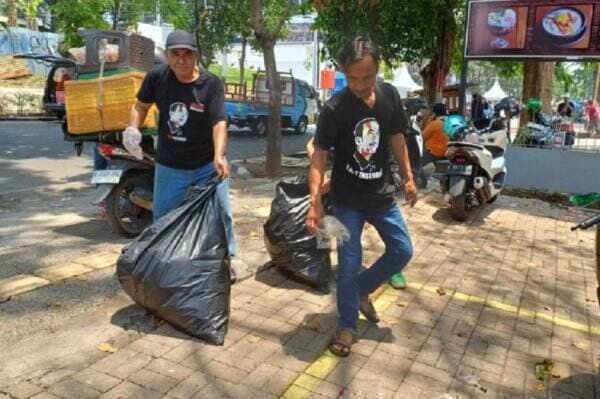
<point x="197" y="106"/>
<point x="366" y="138"/>
<point x="178" y="116"/>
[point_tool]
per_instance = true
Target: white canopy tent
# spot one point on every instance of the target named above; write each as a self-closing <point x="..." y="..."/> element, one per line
<point x="495" y="93"/>
<point x="404" y="82"/>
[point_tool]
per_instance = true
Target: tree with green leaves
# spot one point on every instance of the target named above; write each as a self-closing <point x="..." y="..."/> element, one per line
<point x="421" y="32"/>
<point x="30" y="9"/>
<point x="70" y="15"/>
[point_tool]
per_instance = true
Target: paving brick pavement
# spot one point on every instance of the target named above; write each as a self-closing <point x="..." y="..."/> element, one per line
<point x="487" y="300"/>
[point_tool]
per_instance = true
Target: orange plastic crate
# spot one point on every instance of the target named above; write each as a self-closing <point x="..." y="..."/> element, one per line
<point x="89" y="112"/>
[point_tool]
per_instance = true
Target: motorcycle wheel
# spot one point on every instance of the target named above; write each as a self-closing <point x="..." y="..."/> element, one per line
<point x="458" y="208"/>
<point x="125" y="218"/>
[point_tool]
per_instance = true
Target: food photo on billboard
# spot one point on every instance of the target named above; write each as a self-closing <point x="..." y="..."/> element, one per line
<point x="499" y="28"/>
<point x="560" y="29"/>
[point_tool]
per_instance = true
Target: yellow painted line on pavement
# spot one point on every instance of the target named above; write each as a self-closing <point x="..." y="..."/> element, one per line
<point x="595" y="330"/>
<point x="307" y="382"/>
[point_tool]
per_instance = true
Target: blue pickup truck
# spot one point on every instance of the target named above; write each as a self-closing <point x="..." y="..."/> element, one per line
<point x="250" y="108"/>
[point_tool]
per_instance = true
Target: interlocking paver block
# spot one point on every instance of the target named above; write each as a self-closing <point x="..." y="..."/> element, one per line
<point x="133" y="365"/>
<point x="226" y="372"/>
<point x="156" y="382"/>
<point x="191" y="385"/>
<point x="130" y="390"/>
<point x="169" y="369"/>
<point x="20" y="283"/>
<point x="96" y="379"/>
<point x="70" y="388"/>
<point x="149" y="346"/>
<point x="23" y="390"/>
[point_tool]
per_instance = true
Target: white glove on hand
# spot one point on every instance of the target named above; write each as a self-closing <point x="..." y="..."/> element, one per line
<point x="132" y="138"/>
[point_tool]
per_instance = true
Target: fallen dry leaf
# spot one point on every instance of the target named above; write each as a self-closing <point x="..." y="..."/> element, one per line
<point x="253" y="339"/>
<point x="441" y="291"/>
<point x="547" y="308"/>
<point x="313" y="325"/>
<point x="106" y="347"/>
<point x="555" y="374"/>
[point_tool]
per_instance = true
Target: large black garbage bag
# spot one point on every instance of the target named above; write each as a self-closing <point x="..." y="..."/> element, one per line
<point x="292" y="248"/>
<point x="178" y="268"/>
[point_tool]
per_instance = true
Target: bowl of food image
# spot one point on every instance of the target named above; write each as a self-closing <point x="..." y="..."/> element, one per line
<point x="564" y="26"/>
<point x="502" y="22"/>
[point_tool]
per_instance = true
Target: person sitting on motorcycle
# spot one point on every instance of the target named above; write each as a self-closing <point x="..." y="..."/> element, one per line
<point x="435" y="141"/>
<point x="565" y="109"/>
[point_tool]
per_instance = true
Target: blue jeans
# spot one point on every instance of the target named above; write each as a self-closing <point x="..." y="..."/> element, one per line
<point x="171" y="185"/>
<point x="355" y="282"/>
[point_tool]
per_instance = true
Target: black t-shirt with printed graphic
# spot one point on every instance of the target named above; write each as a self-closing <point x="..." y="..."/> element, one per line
<point x="361" y="177"/>
<point x="187" y="113"/>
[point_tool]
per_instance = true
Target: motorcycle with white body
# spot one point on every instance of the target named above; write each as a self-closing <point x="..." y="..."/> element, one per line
<point x="477" y="165"/>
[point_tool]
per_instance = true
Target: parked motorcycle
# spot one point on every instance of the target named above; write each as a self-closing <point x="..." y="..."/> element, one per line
<point x="414" y="144"/>
<point x="540" y="131"/>
<point x="126" y="188"/>
<point x="477" y="167"/>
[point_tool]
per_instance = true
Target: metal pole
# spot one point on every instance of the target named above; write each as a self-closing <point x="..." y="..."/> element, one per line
<point x="464" y="67"/>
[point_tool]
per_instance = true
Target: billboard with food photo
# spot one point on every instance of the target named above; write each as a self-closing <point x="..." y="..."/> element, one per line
<point x="552" y="29"/>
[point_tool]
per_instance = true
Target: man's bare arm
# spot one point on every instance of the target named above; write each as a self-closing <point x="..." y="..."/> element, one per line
<point x="316" y="175"/>
<point x="138" y="114"/>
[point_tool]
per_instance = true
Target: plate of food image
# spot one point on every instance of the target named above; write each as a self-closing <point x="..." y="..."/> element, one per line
<point x="564" y="26"/>
<point x="502" y="22"/>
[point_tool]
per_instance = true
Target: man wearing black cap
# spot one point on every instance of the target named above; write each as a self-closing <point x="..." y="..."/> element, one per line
<point x="192" y="130"/>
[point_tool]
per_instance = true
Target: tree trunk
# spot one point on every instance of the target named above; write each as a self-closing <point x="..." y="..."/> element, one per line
<point x="116" y="14"/>
<point x="273" y="163"/>
<point x="12" y="13"/>
<point x="435" y="73"/>
<point x="538" y="81"/>
<point x="596" y="92"/>
<point x="32" y="23"/>
<point x="243" y="59"/>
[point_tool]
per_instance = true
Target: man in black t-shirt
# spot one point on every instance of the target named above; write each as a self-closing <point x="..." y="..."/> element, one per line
<point x="361" y="122"/>
<point x="192" y="129"/>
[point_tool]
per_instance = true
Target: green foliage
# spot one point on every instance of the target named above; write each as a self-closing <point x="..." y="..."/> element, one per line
<point x="233" y="74"/>
<point x="70" y="15"/>
<point x="405" y="30"/>
<point x="215" y="26"/>
<point x="29" y="7"/>
<point x="575" y="79"/>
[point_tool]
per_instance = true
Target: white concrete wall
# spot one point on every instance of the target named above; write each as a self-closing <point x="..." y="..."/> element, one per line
<point x="553" y="170"/>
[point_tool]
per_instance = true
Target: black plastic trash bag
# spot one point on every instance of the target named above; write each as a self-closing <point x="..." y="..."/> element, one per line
<point x="179" y="267"/>
<point x="292" y="248"/>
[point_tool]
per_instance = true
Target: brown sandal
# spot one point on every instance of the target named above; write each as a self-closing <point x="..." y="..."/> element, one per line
<point x="339" y="347"/>
<point x="369" y="311"/>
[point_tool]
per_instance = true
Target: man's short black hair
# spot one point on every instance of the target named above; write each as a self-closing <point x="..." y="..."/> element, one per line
<point x="357" y="49"/>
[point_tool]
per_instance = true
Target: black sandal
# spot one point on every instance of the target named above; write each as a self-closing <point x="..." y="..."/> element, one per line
<point x="339" y="347"/>
<point x="369" y="311"/>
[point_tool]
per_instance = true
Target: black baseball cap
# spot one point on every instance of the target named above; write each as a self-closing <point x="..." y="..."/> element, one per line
<point x="181" y="39"/>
